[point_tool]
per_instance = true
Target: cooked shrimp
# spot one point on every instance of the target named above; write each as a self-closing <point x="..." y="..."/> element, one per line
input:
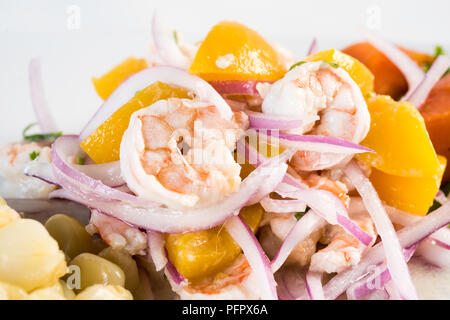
<point x="330" y="104"/>
<point x="117" y="234"/>
<point x="179" y="152"/>
<point x="236" y="282"/>
<point x="343" y="250"/>
<point x="13" y="182"/>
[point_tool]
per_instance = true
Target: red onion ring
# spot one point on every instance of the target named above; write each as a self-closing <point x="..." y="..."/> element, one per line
<point x="42" y="171"/>
<point x="375" y="280"/>
<point x="76" y="181"/>
<point x="170" y="75"/>
<point x="309" y="223"/>
<point x="314" y="285"/>
<point x="40" y="106"/>
<point x="322" y="202"/>
<point x="260" y="264"/>
<point x="156" y="249"/>
<point x="313" y="143"/>
<point x="176" y="221"/>
<point x="412" y="72"/>
<point x="259" y="120"/>
<point x="394" y="256"/>
<point x="165" y="43"/>
<point x="434" y="252"/>
<point x="407" y="237"/>
<point x="312" y="47"/>
<point x="419" y="95"/>
<point x="237" y="87"/>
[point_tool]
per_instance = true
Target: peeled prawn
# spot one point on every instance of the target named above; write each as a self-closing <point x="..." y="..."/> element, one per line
<point x="179" y="152"/>
<point x="328" y="101"/>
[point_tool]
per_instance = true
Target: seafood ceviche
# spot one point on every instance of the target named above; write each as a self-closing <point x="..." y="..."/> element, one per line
<point x="230" y="169"/>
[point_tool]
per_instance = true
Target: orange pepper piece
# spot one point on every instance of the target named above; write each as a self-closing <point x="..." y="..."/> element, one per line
<point x="410" y="194"/>
<point x="244" y="54"/>
<point x="436" y="112"/>
<point x="357" y="71"/>
<point x="388" y="78"/>
<point x="106" y="84"/>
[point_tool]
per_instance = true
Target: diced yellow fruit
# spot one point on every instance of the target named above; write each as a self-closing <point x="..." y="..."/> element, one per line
<point x="11" y="292"/>
<point x="53" y="292"/>
<point x="357" y="71"/>
<point x="7" y="215"/>
<point x="203" y="254"/>
<point x="409" y="194"/>
<point x="104" y="292"/>
<point x="103" y="145"/>
<point x="29" y="256"/>
<point x="232" y="51"/>
<point x="106" y="84"/>
<point x="400" y="140"/>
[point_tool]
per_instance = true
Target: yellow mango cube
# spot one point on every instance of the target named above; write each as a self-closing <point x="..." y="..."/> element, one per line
<point x="232" y="51"/>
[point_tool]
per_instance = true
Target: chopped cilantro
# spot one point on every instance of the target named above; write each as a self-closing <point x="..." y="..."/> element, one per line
<point x="296" y="65"/>
<point x="333" y="64"/>
<point x="34" y="155"/>
<point x="39" y="136"/>
<point x="80" y="160"/>
<point x="298" y="215"/>
<point x="446" y="189"/>
<point x="175" y="36"/>
<point x="438" y="51"/>
<point x="434" y="206"/>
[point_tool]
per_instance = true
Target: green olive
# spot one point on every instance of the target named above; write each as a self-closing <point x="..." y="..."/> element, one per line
<point x="97" y="270"/>
<point x="126" y="263"/>
<point x="70" y="234"/>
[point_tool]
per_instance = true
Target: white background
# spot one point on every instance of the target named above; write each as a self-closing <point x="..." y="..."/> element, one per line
<point x="112" y="30"/>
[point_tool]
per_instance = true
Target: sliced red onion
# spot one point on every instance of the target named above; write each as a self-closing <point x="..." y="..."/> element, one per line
<point x="107" y="173"/>
<point x="66" y="147"/>
<point x="324" y="203"/>
<point x="156" y="249"/>
<point x="165" y="43"/>
<point x="169" y="75"/>
<point x="392" y="291"/>
<point x="441" y="236"/>
<point x="312" y="47"/>
<point x="282" y="206"/>
<point x="41" y="170"/>
<point x="259" y="120"/>
<point x="407" y="237"/>
<point x="260" y="264"/>
<point x="418" y="96"/>
<point x="314" y="285"/>
<point x="236" y="87"/>
<point x="329" y="207"/>
<point x="376" y="280"/>
<point x="411" y="71"/>
<point x="177" y="221"/>
<point x="395" y="259"/>
<point x="172" y="273"/>
<point x="313" y="143"/>
<point x="434" y="252"/>
<point x="41" y="110"/>
<point x="309" y="223"/>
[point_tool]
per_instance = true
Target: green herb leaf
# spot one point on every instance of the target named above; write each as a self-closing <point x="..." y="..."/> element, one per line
<point x="34" y="155"/>
<point x="80" y="160"/>
<point x="446" y="189"/>
<point x="333" y="64"/>
<point x="175" y="36"/>
<point x="39" y="136"/>
<point x="296" y="65"/>
<point x="434" y="206"/>
<point x="298" y="215"/>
